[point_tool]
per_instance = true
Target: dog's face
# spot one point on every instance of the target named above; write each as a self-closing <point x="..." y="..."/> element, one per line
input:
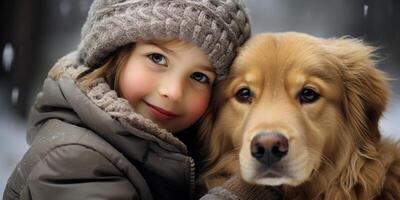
<point x="287" y="104"/>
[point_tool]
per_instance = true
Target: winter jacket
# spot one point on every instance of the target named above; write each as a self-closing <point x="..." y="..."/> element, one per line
<point x="87" y="143"/>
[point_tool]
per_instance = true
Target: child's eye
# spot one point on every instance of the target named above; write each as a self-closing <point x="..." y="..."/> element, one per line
<point x="200" y="77"/>
<point x="158" y="58"/>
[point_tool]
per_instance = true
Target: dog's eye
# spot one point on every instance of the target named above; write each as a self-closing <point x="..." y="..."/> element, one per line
<point x="244" y="95"/>
<point x="308" y="95"/>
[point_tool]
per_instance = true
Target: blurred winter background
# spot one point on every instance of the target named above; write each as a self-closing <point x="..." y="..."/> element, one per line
<point x="34" y="34"/>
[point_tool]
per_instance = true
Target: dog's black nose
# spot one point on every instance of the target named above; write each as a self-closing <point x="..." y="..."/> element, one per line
<point x="269" y="148"/>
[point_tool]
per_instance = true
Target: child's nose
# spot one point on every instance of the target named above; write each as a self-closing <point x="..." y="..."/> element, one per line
<point x="171" y="89"/>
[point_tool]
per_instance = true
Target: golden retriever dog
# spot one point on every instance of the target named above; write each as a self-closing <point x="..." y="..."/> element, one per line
<point x="300" y="113"/>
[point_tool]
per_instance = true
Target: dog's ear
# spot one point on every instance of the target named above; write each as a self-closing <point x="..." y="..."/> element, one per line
<point x="212" y="139"/>
<point x="206" y="125"/>
<point x="366" y="91"/>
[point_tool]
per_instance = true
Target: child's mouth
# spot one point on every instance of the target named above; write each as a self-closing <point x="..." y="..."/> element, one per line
<point x="160" y="113"/>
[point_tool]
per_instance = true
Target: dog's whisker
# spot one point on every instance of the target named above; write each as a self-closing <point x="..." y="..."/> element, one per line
<point x="324" y="159"/>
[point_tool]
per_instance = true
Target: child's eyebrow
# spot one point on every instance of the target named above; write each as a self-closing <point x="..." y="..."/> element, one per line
<point x="208" y="68"/>
<point x="169" y="51"/>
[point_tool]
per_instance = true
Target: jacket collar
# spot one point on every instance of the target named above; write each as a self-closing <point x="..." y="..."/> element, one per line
<point x="100" y="94"/>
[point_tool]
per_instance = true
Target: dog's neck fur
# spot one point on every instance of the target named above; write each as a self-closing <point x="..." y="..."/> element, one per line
<point x="361" y="175"/>
<point x="368" y="181"/>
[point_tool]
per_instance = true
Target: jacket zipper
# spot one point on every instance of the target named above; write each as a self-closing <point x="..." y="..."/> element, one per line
<point x="192" y="177"/>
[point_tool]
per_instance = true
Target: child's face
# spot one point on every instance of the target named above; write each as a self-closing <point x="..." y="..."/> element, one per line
<point x="168" y="83"/>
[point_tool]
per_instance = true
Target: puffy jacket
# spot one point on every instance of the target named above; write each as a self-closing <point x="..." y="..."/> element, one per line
<point x="86" y="143"/>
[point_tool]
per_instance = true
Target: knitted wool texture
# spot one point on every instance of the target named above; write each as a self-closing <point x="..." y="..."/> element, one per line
<point x="218" y="27"/>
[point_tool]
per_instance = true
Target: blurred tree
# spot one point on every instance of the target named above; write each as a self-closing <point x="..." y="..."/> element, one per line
<point x="40" y="32"/>
<point x="383" y="24"/>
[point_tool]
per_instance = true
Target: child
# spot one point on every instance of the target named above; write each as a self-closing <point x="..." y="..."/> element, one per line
<point x="105" y="125"/>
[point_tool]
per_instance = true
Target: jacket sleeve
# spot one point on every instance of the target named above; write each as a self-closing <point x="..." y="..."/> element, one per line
<point x="78" y="172"/>
<point x="236" y="189"/>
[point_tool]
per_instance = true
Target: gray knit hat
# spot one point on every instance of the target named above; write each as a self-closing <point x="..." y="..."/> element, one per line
<point x="216" y="26"/>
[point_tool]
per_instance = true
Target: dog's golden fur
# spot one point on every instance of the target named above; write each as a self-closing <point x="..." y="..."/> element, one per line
<point x="335" y="147"/>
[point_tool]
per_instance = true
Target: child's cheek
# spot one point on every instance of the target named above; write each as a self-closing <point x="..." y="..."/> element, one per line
<point x="136" y="86"/>
<point x="198" y="106"/>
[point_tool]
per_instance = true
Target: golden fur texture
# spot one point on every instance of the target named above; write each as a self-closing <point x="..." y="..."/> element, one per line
<point x="335" y="147"/>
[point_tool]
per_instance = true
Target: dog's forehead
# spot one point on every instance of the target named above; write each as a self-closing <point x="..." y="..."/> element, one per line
<point x="288" y="61"/>
<point x="278" y="54"/>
